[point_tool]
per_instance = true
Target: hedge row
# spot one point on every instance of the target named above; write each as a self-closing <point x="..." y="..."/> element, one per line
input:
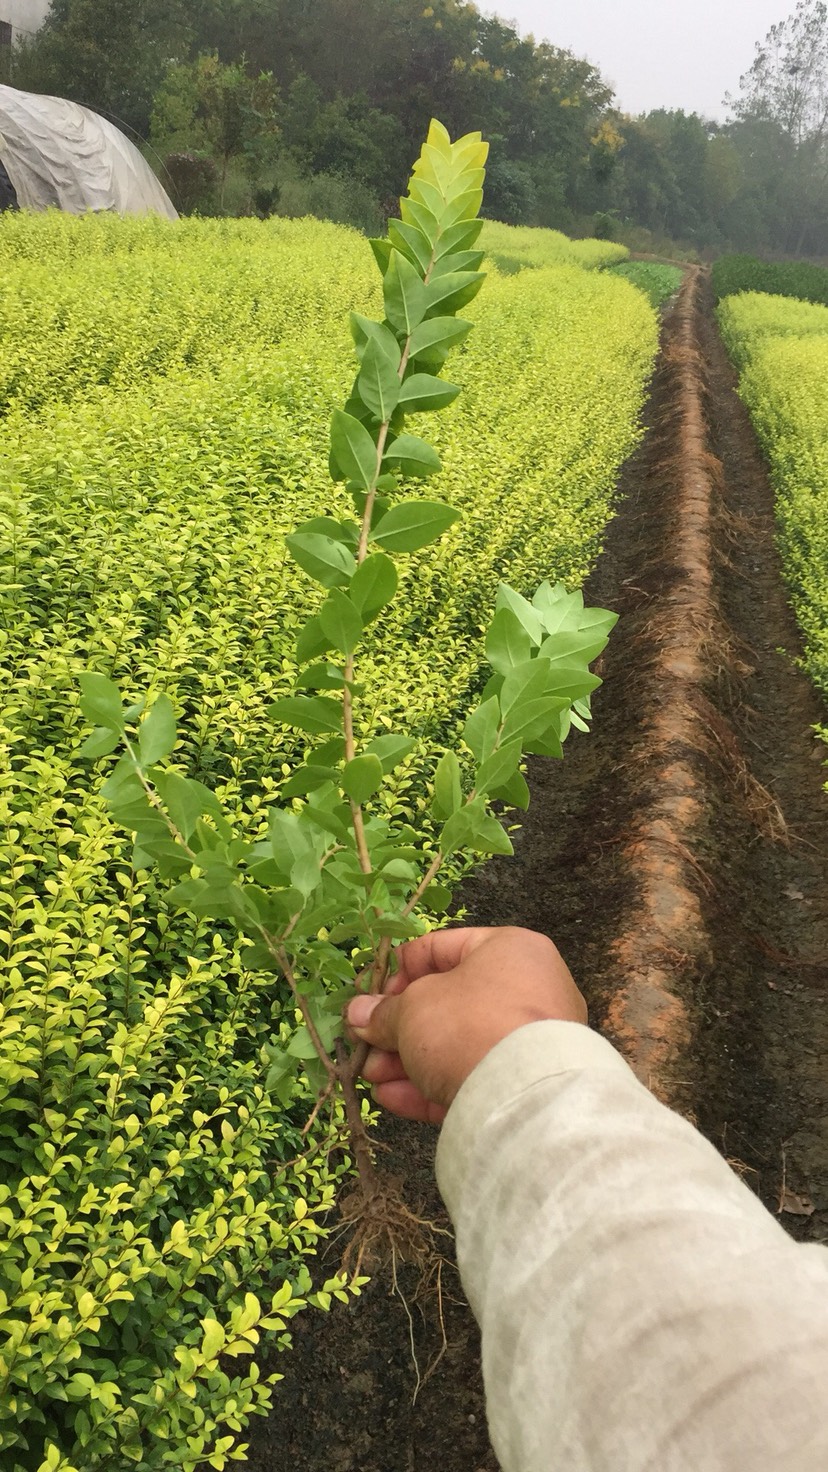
<point x="732" y="274"/>
<point x="512" y="248"/>
<point x="150" y="1204"/>
<point x="782" y="349"/>
<point x="659" y="282"/>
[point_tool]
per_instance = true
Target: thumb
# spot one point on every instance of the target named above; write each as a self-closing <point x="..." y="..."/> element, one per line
<point x="376" y="1019"/>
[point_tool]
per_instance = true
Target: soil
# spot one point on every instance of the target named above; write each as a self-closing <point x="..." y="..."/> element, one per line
<point x="679" y="859"/>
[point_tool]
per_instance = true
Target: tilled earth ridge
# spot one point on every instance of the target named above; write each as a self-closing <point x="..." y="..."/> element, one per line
<point x="679" y="858"/>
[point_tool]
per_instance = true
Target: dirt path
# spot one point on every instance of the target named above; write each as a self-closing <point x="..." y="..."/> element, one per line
<point x="679" y="857"/>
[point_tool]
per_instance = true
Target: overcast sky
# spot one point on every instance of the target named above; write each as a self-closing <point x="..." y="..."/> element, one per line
<point x="655" y="53"/>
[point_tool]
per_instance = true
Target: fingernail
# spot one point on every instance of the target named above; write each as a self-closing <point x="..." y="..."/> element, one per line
<point x="360" y="1010"/>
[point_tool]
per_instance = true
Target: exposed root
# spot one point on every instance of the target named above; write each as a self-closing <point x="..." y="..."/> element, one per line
<point x="384" y="1231"/>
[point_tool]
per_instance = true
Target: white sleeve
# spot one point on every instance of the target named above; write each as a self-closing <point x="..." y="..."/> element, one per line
<point x="640" y="1309"/>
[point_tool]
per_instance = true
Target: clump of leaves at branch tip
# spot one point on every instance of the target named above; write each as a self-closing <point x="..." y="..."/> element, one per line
<point x="334" y="882"/>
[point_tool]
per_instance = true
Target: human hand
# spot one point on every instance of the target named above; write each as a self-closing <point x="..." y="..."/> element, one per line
<point x="455" y="995"/>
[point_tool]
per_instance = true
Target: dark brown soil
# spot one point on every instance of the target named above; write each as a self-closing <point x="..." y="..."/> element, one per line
<point x="698" y="931"/>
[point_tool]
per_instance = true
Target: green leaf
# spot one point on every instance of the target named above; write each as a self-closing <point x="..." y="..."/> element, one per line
<point x="429" y="195"/>
<point x="391" y="750"/>
<point x="447" y="294"/>
<point x="102" y="741"/>
<point x="321" y="677"/>
<point x="362" y="777"/>
<point x="464" y="260"/>
<point x="569" y="680"/>
<point x="522" y="608"/>
<point x="464" y="206"/>
<point x="341" y="531"/>
<point x="373" y="585"/>
<point x="414" y="524"/>
<point x="574" y="646"/>
<point x="311" y="713"/>
<point x="499" y="768"/>
<point x="405" y="295"/>
<point x="414" y="213"/>
<point x="527" y="681"/>
<point x="412" y="456"/>
<point x="437" y="898"/>
<point x="157" y="733"/>
<point x="515" y="792"/>
<point x="382" y="253"/>
<point x="101" y="701"/>
<point x="397" y="927"/>
<point x="378" y="384"/>
<point x="438" y="332"/>
<point x="340" y="621"/>
<point x="480" y="730"/>
<point x="213" y="1339"/>
<point x="507" y="642"/>
<point x="448" y="793"/>
<point x="365" y="330"/>
<point x="185" y="800"/>
<point x="534" y="719"/>
<point x="327" y="561"/>
<point x="308" y="779"/>
<point x="412" y="243"/>
<point x="353" y="449"/>
<point x="311" y="641"/>
<point x="475" y="829"/>
<point x="423" y="392"/>
<point x="461" y="236"/>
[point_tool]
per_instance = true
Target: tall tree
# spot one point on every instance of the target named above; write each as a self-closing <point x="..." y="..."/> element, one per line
<point x="784" y="100"/>
<point x="107" y="54"/>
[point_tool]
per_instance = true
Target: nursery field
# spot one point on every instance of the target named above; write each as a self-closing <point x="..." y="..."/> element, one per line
<point x="781" y="348"/>
<point x="165" y="396"/>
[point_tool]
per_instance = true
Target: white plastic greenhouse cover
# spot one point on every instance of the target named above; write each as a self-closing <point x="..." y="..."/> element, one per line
<point x="60" y="155"/>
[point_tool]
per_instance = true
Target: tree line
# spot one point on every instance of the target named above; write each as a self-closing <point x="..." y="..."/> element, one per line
<point x="318" y="105"/>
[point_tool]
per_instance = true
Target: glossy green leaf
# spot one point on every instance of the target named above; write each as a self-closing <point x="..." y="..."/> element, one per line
<point x="353" y="449"/>
<point x="373" y="585"/>
<point x="412" y="243"/>
<point x="157" y="732"/>
<point x="414" y="524"/>
<point x="474" y="828"/>
<point x="438" y="332"/>
<point x="321" y="677"/>
<point x="340" y="621"/>
<point x="507" y="642"/>
<point x="437" y="898"/>
<point x="405" y="294"/>
<point x="311" y="713"/>
<point x="499" y="768"/>
<point x="362" y="777"/>
<point x="423" y="391"/>
<point x="412" y="457"/>
<point x="515" y="792"/>
<point x="311" y="641"/>
<point x="528" y="616"/>
<point x="449" y="293"/>
<point x="378" y="382"/>
<point x="330" y="563"/>
<point x="101" y="701"/>
<point x="481" y="728"/>
<point x="102" y="741"/>
<point x="415" y="213"/>
<point x="461" y="236"/>
<point x="448" y="792"/>
<point x="391" y="750"/>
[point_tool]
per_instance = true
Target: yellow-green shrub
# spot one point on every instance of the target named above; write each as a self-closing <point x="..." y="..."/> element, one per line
<point x="781" y="346"/>
<point x="143" y="530"/>
<point x="512" y="247"/>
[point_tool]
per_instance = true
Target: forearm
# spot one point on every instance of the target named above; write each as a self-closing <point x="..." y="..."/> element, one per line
<point x="639" y="1307"/>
